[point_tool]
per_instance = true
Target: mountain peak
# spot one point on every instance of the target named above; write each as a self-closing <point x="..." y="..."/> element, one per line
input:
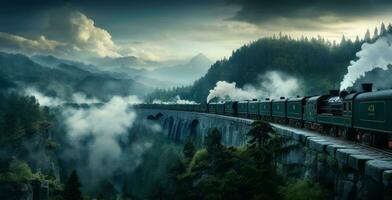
<point x="200" y="59"/>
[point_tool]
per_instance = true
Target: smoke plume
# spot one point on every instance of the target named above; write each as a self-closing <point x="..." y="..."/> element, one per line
<point x="273" y="84"/>
<point x="371" y="56"/>
<point x="176" y="100"/>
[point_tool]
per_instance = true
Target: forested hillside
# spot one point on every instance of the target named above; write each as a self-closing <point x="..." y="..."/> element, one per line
<point x="63" y="80"/>
<point x="319" y="64"/>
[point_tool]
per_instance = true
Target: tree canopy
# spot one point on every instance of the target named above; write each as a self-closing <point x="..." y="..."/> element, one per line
<point x="318" y="63"/>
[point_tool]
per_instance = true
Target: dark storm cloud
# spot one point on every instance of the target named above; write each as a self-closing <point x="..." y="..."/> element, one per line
<point x="26" y="17"/>
<point x="263" y="11"/>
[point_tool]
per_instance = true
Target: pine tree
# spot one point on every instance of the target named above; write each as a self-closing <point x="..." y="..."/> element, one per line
<point x="389" y="28"/>
<point x="259" y="133"/>
<point x="367" y="36"/>
<point x="343" y="41"/>
<point x="375" y="35"/>
<point x="382" y="30"/>
<point x="189" y="149"/>
<point x="125" y="194"/>
<point x="72" y="188"/>
<point x="213" y="141"/>
<point x="357" y="39"/>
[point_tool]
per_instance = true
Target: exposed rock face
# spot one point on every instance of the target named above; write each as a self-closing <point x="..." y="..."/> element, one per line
<point x="351" y="171"/>
<point x="15" y="191"/>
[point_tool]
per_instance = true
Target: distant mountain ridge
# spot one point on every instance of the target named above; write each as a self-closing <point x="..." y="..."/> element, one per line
<point x="53" y="62"/>
<point x="163" y="76"/>
<point x="127" y="61"/>
<point x="186" y="73"/>
<point x="64" y="79"/>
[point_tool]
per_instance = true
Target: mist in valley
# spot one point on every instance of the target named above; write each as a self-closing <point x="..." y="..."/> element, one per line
<point x="73" y="75"/>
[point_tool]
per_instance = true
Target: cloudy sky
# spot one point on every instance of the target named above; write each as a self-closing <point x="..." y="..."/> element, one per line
<point x="168" y="29"/>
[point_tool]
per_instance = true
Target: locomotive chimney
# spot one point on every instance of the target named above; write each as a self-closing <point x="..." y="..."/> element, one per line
<point x="343" y="94"/>
<point x="334" y="92"/>
<point x="367" y="87"/>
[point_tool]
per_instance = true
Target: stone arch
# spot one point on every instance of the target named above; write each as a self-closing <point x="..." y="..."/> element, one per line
<point x="155" y="117"/>
<point x="193" y="128"/>
<point x="159" y="115"/>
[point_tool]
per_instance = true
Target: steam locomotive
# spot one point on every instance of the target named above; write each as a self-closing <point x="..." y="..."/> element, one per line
<point x="364" y="116"/>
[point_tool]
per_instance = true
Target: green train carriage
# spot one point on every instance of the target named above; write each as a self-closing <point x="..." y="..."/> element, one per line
<point x="243" y="108"/>
<point x="254" y="109"/>
<point x="231" y="108"/>
<point x="265" y="109"/>
<point x="372" y="117"/>
<point x="295" y="111"/>
<point x="220" y="108"/>
<point x="212" y="108"/>
<point x="279" y="110"/>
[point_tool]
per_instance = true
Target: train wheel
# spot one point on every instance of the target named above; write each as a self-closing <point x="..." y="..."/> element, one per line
<point x="365" y="137"/>
<point x="349" y="134"/>
<point x="380" y="140"/>
<point x="333" y="131"/>
<point x="389" y="142"/>
<point x="307" y="125"/>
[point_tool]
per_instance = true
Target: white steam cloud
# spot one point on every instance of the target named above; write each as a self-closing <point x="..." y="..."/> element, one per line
<point x="371" y="56"/>
<point x="42" y="99"/>
<point x="176" y="100"/>
<point x="98" y="144"/>
<point x="225" y="90"/>
<point x="101" y="132"/>
<point x="79" y="98"/>
<point x="112" y="119"/>
<point x="273" y="84"/>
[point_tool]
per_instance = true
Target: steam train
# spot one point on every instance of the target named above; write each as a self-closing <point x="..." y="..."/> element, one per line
<point x="364" y="116"/>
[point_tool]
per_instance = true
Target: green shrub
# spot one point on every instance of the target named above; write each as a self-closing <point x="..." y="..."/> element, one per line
<point x="199" y="156"/>
<point x="18" y="171"/>
<point x="21" y="169"/>
<point x="304" y="190"/>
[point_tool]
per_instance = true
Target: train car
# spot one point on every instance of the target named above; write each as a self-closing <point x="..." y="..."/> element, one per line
<point x="295" y="110"/>
<point x="372" y="117"/>
<point x="310" y="112"/>
<point x="196" y="107"/>
<point x="204" y="107"/>
<point x="188" y="107"/>
<point x="231" y="108"/>
<point x="266" y="109"/>
<point x="170" y="106"/>
<point x="180" y="107"/>
<point x="220" y="108"/>
<point x="212" y="108"/>
<point x="159" y="106"/>
<point x="326" y="114"/>
<point x="279" y="110"/>
<point x="254" y="109"/>
<point x="243" y="108"/>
